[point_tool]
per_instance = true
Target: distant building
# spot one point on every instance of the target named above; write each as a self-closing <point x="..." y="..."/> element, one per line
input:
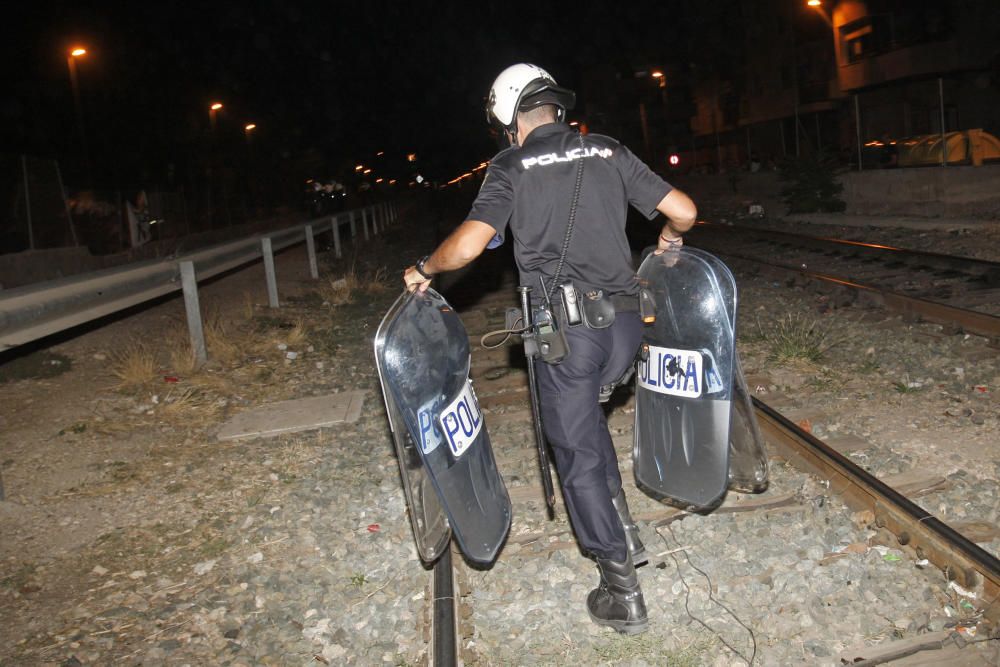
<point x="904" y="58"/>
<point x="807" y="74"/>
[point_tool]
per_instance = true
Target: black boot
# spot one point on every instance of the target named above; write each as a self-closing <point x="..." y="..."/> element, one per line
<point x="617" y="601"/>
<point x="636" y="548"/>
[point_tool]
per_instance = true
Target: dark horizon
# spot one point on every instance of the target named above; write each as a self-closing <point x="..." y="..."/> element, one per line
<point x="324" y="84"/>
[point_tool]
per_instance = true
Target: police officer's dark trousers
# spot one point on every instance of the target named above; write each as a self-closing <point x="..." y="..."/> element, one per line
<point x="577" y="430"/>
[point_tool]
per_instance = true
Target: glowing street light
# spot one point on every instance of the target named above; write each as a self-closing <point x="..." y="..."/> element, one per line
<point x="249" y="127"/>
<point x="74" y="53"/>
<point x="818" y="6"/>
<point x="212" y="110"/>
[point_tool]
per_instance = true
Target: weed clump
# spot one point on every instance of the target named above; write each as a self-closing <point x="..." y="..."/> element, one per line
<point x="134" y="365"/>
<point x="795" y="337"/>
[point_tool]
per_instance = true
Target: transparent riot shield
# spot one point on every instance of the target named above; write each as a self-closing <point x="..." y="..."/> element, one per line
<point x="748" y="469"/>
<point x="422" y="351"/>
<point x="684" y="383"/>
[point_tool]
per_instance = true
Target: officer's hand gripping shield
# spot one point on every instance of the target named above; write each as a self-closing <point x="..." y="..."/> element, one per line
<point x="446" y="463"/>
<point x="690" y="444"/>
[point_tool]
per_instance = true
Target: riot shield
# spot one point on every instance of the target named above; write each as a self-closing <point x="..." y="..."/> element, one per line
<point x="684" y="383"/>
<point x="422" y="352"/>
<point x="748" y="470"/>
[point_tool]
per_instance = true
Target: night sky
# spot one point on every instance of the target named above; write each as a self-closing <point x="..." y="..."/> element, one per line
<point x="335" y="81"/>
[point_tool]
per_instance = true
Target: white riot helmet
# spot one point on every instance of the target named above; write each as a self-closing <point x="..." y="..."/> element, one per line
<point x="521" y="87"/>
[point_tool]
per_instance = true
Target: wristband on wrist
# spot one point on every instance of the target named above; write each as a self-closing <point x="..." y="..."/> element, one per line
<point x="420" y="267"/>
<point x="670" y="241"/>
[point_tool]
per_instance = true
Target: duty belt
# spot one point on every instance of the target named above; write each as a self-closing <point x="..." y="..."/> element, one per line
<point x="625" y="303"/>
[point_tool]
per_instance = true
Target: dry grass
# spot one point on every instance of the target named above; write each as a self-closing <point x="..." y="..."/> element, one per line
<point x="297" y="334"/>
<point x="248" y="307"/>
<point x="195" y="406"/>
<point x="210" y="382"/>
<point x="352" y="285"/>
<point x="134" y="365"/>
<point x="340" y="291"/>
<point x="380" y="282"/>
<point x="182" y="359"/>
<point x="220" y="341"/>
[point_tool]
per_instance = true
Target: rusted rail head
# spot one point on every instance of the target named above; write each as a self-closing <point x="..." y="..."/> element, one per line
<point x="915" y="530"/>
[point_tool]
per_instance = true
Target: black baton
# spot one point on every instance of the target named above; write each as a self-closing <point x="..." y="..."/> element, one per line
<point x="530" y="352"/>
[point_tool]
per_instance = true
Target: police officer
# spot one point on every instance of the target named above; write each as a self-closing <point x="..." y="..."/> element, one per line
<point x="549" y="176"/>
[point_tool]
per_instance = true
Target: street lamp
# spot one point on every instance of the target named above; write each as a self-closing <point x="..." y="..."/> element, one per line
<point x="818" y="6"/>
<point x="212" y="110"/>
<point x="74" y="53"/>
<point x="661" y="83"/>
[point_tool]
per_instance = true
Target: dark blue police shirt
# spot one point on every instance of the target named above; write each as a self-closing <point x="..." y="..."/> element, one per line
<point x="530" y="189"/>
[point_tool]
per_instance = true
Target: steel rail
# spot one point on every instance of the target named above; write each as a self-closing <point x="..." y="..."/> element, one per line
<point x="34" y="311"/>
<point x="915" y="529"/>
<point x="971" y="321"/>
<point x="989" y="268"/>
<point x="444" y="641"/>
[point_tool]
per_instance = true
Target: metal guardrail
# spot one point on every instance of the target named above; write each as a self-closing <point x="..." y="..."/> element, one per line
<point x="34" y="311"/>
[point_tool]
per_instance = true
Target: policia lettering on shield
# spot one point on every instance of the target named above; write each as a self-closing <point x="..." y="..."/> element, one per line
<point x="551" y="180"/>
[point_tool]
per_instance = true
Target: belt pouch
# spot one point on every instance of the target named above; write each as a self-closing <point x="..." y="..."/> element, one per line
<point x="598" y="311"/>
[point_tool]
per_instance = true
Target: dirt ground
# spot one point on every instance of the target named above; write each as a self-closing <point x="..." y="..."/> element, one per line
<point x="111" y="471"/>
<point x="110" y="467"/>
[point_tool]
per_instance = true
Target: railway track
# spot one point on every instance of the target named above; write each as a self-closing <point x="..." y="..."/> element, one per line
<point x="887" y="505"/>
<point x="959" y="292"/>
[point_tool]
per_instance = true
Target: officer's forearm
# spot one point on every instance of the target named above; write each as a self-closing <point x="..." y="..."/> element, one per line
<point x="461" y="247"/>
<point x="680" y="212"/>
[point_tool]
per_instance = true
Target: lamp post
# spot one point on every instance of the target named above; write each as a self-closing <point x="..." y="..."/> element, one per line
<point x="661" y="82"/>
<point x="212" y="111"/>
<point x="818" y="6"/>
<point x="74" y="80"/>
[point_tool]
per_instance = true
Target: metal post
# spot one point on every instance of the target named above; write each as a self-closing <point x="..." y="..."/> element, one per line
<point x="311" y="251"/>
<point x="394" y="213"/>
<point x="189" y="285"/>
<point x="797" y="147"/>
<point x="335" y="228"/>
<point x="354" y="227"/>
<point x="364" y="221"/>
<point x="69" y="218"/>
<point x="27" y="203"/>
<point x="944" y="141"/>
<point x="272" y="283"/>
<point x="375" y="219"/>
<point x="857" y="125"/>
